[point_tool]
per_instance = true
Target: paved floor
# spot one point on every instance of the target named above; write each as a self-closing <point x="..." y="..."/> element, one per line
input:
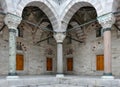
<point x="52" y="81"/>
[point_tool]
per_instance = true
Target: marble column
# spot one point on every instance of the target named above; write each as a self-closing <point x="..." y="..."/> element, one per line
<point x="106" y="23"/>
<point x="59" y="37"/>
<point x="12" y="22"/>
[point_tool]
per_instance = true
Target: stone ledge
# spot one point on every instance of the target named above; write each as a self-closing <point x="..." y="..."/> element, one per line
<point x="12" y="77"/>
<point x="59" y="75"/>
<point x="107" y="77"/>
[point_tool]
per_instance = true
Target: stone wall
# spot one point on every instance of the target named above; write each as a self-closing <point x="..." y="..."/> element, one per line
<point x="84" y="54"/>
<point x="34" y="54"/>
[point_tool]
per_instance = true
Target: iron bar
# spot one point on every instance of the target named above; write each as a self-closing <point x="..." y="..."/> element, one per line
<point x="2" y="27"/>
<point x="44" y="39"/>
<point x="94" y="20"/>
<point x="117" y="27"/>
<point x="74" y="39"/>
<point x="36" y="25"/>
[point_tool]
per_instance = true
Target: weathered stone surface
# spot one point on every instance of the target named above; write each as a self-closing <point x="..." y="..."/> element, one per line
<point x="50" y="81"/>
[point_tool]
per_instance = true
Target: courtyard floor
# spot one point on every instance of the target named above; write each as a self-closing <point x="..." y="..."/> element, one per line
<point x="53" y="81"/>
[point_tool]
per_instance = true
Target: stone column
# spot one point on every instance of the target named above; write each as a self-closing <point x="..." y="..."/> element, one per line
<point x="59" y="37"/>
<point x="12" y="22"/>
<point x="106" y="23"/>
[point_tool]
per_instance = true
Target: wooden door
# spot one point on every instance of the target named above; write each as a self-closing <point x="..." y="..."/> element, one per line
<point x="19" y="62"/>
<point x="69" y="64"/>
<point x="49" y="64"/>
<point x="100" y="62"/>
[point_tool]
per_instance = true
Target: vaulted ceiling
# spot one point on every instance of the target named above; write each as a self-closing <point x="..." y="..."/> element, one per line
<point x="81" y="17"/>
<point x="36" y="16"/>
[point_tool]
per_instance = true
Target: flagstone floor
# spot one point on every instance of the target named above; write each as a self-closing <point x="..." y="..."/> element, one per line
<point x="53" y="81"/>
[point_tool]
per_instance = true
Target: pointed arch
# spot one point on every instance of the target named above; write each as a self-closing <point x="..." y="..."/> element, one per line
<point x="75" y="5"/>
<point x="44" y="5"/>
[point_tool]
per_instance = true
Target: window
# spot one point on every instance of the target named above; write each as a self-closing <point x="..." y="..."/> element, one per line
<point x="69" y="64"/>
<point x="19" y="62"/>
<point x="98" y="32"/>
<point x="69" y="40"/>
<point x="49" y="64"/>
<point x="100" y="62"/>
<point x="19" y="46"/>
<point x="20" y="31"/>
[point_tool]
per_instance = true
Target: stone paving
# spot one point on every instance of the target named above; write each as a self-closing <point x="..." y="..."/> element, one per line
<point x="52" y="81"/>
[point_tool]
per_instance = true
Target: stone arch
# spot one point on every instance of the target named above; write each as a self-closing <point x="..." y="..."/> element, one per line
<point x="75" y="5"/>
<point x="43" y="5"/>
<point x="3" y="5"/>
<point x="115" y="5"/>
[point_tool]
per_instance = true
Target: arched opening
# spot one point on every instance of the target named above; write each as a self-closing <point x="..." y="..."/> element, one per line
<point x="83" y="46"/>
<point x="35" y="43"/>
<point x="44" y="5"/>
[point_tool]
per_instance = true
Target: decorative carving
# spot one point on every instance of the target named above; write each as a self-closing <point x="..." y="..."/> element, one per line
<point x="59" y="36"/>
<point x="107" y="21"/>
<point x="12" y="21"/>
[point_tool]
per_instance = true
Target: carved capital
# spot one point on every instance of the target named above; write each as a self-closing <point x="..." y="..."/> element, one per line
<point x="12" y="21"/>
<point x="59" y="36"/>
<point x="107" y="21"/>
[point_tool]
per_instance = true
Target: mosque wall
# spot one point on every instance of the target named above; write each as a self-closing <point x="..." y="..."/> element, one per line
<point x="84" y="54"/>
<point x="34" y="54"/>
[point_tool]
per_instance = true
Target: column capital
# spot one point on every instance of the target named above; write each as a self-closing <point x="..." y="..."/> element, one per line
<point x="12" y="21"/>
<point x="59" y="36"/>
<point x="107" y="21"/>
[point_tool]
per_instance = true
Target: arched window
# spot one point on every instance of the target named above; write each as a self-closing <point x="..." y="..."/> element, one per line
<point x="20" y="31"/>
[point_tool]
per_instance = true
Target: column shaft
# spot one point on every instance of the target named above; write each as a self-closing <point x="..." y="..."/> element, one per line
<point x="59" y="58"/>
<point x="12" y="52"/>
<point x="107" y="53"/>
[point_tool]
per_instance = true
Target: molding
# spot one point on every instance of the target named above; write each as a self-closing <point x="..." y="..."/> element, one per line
<point x="12" y="30"/>
<point x="106" y="29"/>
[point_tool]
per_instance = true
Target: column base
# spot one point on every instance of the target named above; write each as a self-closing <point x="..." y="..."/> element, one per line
<point x="12" y="77"/>
<point x="107" y="76"/>
<point x="12" y="74"/>
<point x="59" y="75"/>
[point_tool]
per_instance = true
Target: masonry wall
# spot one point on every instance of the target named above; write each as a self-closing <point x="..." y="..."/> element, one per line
<point x="84" y="54"/>
<point x="34" y="54"/>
